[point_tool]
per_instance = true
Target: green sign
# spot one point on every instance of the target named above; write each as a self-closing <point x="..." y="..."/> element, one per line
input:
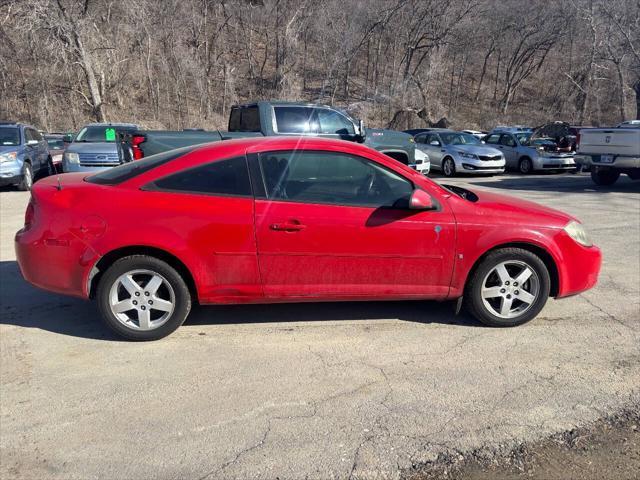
<point x="110" y="134"/>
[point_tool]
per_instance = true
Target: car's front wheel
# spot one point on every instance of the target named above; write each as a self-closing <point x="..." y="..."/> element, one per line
<point x="525" y="166"/>
<point x="448" y="167"/>
<point x="143" y="298"/>
<point x="508" y="288"/>
<point x="27" y="178"/>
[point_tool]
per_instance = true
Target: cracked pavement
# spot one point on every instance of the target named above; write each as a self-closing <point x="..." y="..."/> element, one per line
<point x="353" y="390"/>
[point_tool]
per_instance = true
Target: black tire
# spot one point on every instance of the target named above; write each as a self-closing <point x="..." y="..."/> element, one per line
<point x="27" y="178"/>
<point x="604" y="177"/>
<point x="448" y="167"/>
<point x="182" y="297"/>
<point x="474" y="303"/>
<point x="525" y="166"/>
<point x="50" y="168"/>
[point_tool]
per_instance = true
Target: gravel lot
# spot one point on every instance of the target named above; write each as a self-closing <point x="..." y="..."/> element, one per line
<point x="367" y="390"/>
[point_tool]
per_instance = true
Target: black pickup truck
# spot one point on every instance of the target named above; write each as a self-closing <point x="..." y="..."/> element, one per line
<point x="278" y="118"/>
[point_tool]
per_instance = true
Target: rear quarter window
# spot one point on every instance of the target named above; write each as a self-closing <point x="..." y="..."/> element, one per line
<point x="127" y="171"/>
<point x="223" y="177"/>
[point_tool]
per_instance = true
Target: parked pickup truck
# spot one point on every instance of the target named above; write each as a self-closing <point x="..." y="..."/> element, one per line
<point x="281" y="118"/>
<point x="610" y="152"/>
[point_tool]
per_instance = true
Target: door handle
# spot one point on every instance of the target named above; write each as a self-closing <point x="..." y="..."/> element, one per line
<point x="287" y="227"/>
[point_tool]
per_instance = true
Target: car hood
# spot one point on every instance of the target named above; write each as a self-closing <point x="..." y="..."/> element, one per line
<point x="475" y="149"/>
<point x="503" y="209"/>
<point x="95" y="147"/>
<point x="379" y="137"/>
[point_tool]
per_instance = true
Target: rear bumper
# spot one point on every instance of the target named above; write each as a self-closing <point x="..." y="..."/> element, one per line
<point x="619" y="161"/>
<point x="61" y="264"/>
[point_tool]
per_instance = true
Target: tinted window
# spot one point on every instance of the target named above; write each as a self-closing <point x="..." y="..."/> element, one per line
<point x="9" y="136"/>
<point x="432" y="137"/>
<point x="55" y="142"/>
<point x="334" y="178"/>
<point x="493" y="139"/>
<point x="127" y="171"/>
<point x="35" y="134"/>
<point x="295" y="120"/>
<point x="422" y="138"/>
<point x="225" y="177"/>
<point x="244" y="119"/>
<point x="508" y="141"/>
<point x="333" y="122"/>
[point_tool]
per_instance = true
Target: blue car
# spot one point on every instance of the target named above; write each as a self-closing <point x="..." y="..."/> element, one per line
<point x="24" y="154"/>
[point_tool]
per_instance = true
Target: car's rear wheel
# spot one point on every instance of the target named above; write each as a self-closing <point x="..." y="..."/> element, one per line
<point x="143" y="298"/>
<point x="508" y="288"/>
<point x="525" y="166"/>
<point x="27" y="178"/>
<point x="448" y="167"/>
<point x="604" y="177"/>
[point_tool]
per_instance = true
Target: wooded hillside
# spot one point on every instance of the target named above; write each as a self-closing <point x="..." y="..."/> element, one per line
<point x="183" y="63"/>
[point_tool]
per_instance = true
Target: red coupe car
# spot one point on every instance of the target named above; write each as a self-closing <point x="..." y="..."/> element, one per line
<point x="291" y="219"/>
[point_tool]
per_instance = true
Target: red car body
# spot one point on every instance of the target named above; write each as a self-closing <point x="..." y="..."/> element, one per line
<point x="248" y="249"/>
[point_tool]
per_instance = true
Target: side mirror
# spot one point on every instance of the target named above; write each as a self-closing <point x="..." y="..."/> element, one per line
<point x="421" y="200"/>
<point x="435" y="143"/>
<point x="32" y="142"/>
<point x="362" y="132"/>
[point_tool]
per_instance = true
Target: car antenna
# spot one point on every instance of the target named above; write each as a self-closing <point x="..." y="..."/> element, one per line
<point x="59" y="187"/>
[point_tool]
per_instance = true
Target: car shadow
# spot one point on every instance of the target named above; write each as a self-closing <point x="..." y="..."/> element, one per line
<point x="566" y="183"/>
<point x="23" y="305"/>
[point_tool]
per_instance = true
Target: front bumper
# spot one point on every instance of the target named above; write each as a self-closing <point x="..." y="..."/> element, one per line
<point x="477" y="166"/>
<point x="554" y="163"/>
<point x="68" y="167"/>
<point x="579" y="267"/>
<point x="10" y="173"/>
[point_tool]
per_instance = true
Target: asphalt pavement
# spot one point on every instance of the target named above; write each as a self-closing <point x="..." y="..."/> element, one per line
<point x="361" y="390"/>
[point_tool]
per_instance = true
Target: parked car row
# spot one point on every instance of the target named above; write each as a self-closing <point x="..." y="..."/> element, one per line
<point x="24" y="153"/>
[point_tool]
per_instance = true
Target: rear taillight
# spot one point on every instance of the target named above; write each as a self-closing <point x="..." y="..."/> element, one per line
<point x="136" y="140"/>
<point x="29" y="214"/>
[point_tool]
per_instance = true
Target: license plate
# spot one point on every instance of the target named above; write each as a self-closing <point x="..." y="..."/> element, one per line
<point x="606" y="158"/>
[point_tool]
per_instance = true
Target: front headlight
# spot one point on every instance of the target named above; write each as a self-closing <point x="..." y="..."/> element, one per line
<point x="8" y="157"/>
<point x="467" y="155"/>
<point x="576" y="231"/>
<point x="72" y="157"/>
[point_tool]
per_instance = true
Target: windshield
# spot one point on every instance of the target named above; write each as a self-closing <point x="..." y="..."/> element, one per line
<point x="100" y="133"/>
<point x="457" y="138"/>
<point x="55" y="143"/>
<point x="523" y="138"/>
<point x="9" y="136"/>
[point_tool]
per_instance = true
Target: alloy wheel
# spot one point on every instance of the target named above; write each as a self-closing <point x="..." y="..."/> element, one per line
<point x="510" y="289"/>
<point x="142" y="300"/>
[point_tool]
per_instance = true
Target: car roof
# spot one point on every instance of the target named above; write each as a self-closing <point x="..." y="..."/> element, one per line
<point x="285" y="103"/>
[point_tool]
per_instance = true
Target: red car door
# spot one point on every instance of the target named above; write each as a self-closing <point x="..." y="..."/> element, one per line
<point x="336" y="225"/>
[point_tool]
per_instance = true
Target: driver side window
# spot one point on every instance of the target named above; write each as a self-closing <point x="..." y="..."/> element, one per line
<point x="332" y="178"/>
<point x="508" y="141"/>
